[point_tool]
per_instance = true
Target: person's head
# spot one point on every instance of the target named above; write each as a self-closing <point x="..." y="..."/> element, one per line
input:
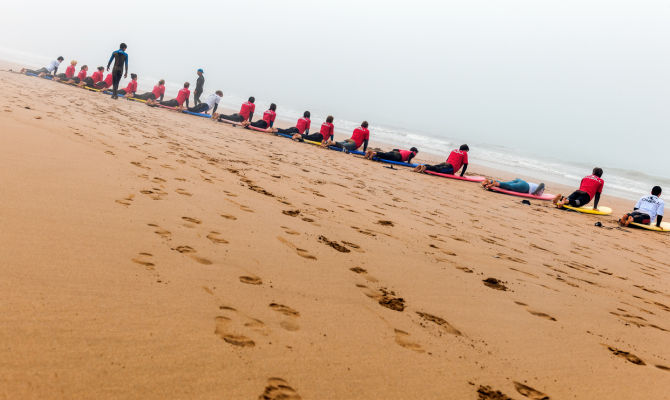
<point x="414" y="149"/>
<point x="219" y="93"/>
<point x="101" y="68"/>
<point x="161" y="82"/>
<point x="273" y="106"/>
<point x="200" y="71"/>
<point x="60" y="58"/>
<point x="364" y="124"/>
<point x="73" y="62"/>
<point x="598" y="172"/>
<point x="133" y="77"/>
<point x="252" y="99"/>
<point x="123" y="46"/>
<point x="306" y="114"/>
<point x="329" y="119"/>
<point x="186" y="85"/>
<point x="464" y="147"/>
<point x="656" y="190"/>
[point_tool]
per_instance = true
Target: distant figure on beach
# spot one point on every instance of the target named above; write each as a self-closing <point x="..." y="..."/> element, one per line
<point x="456" y="159"/>
<point x="396" y="155"/>
<point x="199" y="85"/>
<point x="360" y="136"/>
<point x="182" y="97"/>
<point x="590" y="188"/>
<point x="302" y="126"/>
<point x="120" y="58"/>
<point x="130" y="90"/>
<point x="156" y="94"/>
<point x="76" y="79"/>
<point x="105" y="83"/>
<point x="93" y="79"/>
<point x="516" y="185"/>
<point x="646" y="209"/>
<point x="246" y="112"/>
<point x="267" y="121"/>
<point x="211" y="103"/>
<point x="50" y="69"/>
<point x="69" y="72"/>
<point x="324" y="135"/>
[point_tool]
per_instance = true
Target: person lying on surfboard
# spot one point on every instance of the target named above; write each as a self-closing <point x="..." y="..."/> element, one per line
<point x="103" y="84"/>
<point x="590" y="188"/>
<point x="75" y="79"/>
<point x="130" y="90"/>
<point x="646" y="209"/>
<point x="360" y="136"/>
<point x="93" y="79"/>
<point x="156" y="94"/>
<point x="50" y="69"/>
<point x="246" y="112"/>
<point x="69" y="72"/>
<point x="211" y="103"/>
<point x="302" y="126"/>
<point x="266" y="122"/>
<point x="456" y="159"/>
<point x="393" y="155"/>
<point x="182" y="97"/>
<point x="323" y="136"/>
<point x="517" y="185"/>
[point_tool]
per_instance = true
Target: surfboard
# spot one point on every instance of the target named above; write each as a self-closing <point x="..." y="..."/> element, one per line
<point x="545" y="196"/>
<point x="404" y="164"/>
<point x="227" y="121"/>
<point x="197" y="114"/>
<point x="254" y="128"/>
<point x="134" y="99"/>
<point x="589" y="210"/>
<point x="665" y="226"/>
<point x="471" y="178"/>
<point x="91" y="89"/>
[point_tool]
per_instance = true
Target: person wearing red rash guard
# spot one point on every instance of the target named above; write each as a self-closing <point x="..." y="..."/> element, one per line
<point x="182" y="97"/>
<point x="105" y="83"/>
<point x="93" y="79"/>
<point x="302" y="126"/>
<point x="156" y="94"/>
<point x="360" y="136"/>
<point x="590" y="188"/>
<point x="324" y="135"/>
<point x="456" y="159"/>
<point x="131" y="88"/>
<point x="268" y="120"/>
<point x="246" y="112"/>
<point x="69" y="72"/>
<point x="393" y="155"/>
<point x="80" y="76"/>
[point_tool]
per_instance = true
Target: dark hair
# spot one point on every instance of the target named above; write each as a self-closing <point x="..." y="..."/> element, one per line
<point x="329" y="119"/>
<point x="161" y="82"/>
<point x="60" y="58"/>
<point x="101" y="68"/>
<point x="306" y="114"/>
<point x="220" y="93"/>
<point x="273" y="106"/>
<point x="464" y="147"/>
<point x="364" y="124"/>
<point x="656" y="190"/>
<point x="123" y="46"/>
<point x="133" y="76"/>
<point x="251" y="99"/>
<point x="186" y="84"/>
<point x="414" y="149"/>
<point x="84" y="66"/>
<point x="598" y="172"/>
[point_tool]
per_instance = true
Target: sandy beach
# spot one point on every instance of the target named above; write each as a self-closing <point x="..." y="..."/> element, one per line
<point x="147" y="254"/>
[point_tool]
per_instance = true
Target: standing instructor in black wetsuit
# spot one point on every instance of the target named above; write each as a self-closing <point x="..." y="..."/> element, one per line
<point x="120" y="58"/>
<point x="198" y="87"/>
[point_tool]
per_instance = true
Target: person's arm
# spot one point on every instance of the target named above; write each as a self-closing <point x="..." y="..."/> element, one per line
<point x="596" y="200"/>
<point x="272" y="123"/>
<point x="306" y="132"/>
<point x="125" y="75"/>
<point x="465" y="168"/>
<point x="251" y="116"/>
<point x="365" y="145"/>
<point x="409" y="159"/>
<point x="216" y="105"/>
<point x="187" y="101"/>
<point x="659" y="218"/>
<point x="110" y="61"/>
<point x="162" y="95"/>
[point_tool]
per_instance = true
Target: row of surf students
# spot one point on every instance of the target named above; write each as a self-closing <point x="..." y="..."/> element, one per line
<point x="647" y="209"/>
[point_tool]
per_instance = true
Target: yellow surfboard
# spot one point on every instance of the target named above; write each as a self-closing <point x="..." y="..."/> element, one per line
<point x="590" y="210"/>
<point x="665" y="226"/>
<point x="312" y="142"/>
<point x="134" y="99"/>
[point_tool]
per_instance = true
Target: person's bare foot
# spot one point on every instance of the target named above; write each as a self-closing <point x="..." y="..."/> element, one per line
<point x="556" y="199"/>
<point x="485" y="183"/>
<point x="420" y="168"/>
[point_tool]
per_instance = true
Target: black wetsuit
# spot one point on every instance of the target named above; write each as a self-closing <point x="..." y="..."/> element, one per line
<point x="120" y="59"/>
<point x="234" y="117"/>
<point x="145" y="96"/>
<point x="199" y="84"/>
<point x="391" y="156"/>
<point x="260" y="124"/>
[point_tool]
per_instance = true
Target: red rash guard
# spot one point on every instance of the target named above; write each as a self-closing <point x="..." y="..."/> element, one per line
<point x="69" y="72"/>
<point x="405" y="154"/>
<point x="327" y="130"/>
<point x="132" y="87"/>
<point x="303" y="124"/>
<point x="183" y="95"/>
<point x="592" y="184"/>
<point x="457" y="158"/>
<point x="97" y="76"/>
<point x="158" y="91"/>
<point x="246" y="109"/>
<point x="109" y="79"/>
<point x="269" y="117"/>
<point x="360" y="135"/>
<point x="82" y="74"/>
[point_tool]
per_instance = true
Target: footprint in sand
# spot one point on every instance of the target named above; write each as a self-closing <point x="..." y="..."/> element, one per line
<point x="530" y="392"/>
<point x="402" y="339"/>
<point x="183" y="192"/>
<point x="228" y="216"/>
<point x="494" y="283"/>
<point x="364" y="273"/>
<point x="290" y="323"/>
<point x="241" y="206"/>
<point x="443" y="325"/>
<point x="191" y="221"/>
<point x="333" y="244"/>
<point x="127" y="200"/>
<point x="385" y="223"/>
<point x="184" y="249"/>
<point x="251" y="280"/>
<point x="542" y="315"/>
<point x="290" y="231"/>
<point x="385" y="298"/>
<point x="301" y="252"/>
<point x="291" y="213"/>
<point x="164" y="233"/>
<point x="279" y="389"/>
<point x="215" y="238"/>
<point x="234" y="328"/>
<point x="630" y="357"/>
<point x="144" y="259"/>
<point x="487" y="393"/>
